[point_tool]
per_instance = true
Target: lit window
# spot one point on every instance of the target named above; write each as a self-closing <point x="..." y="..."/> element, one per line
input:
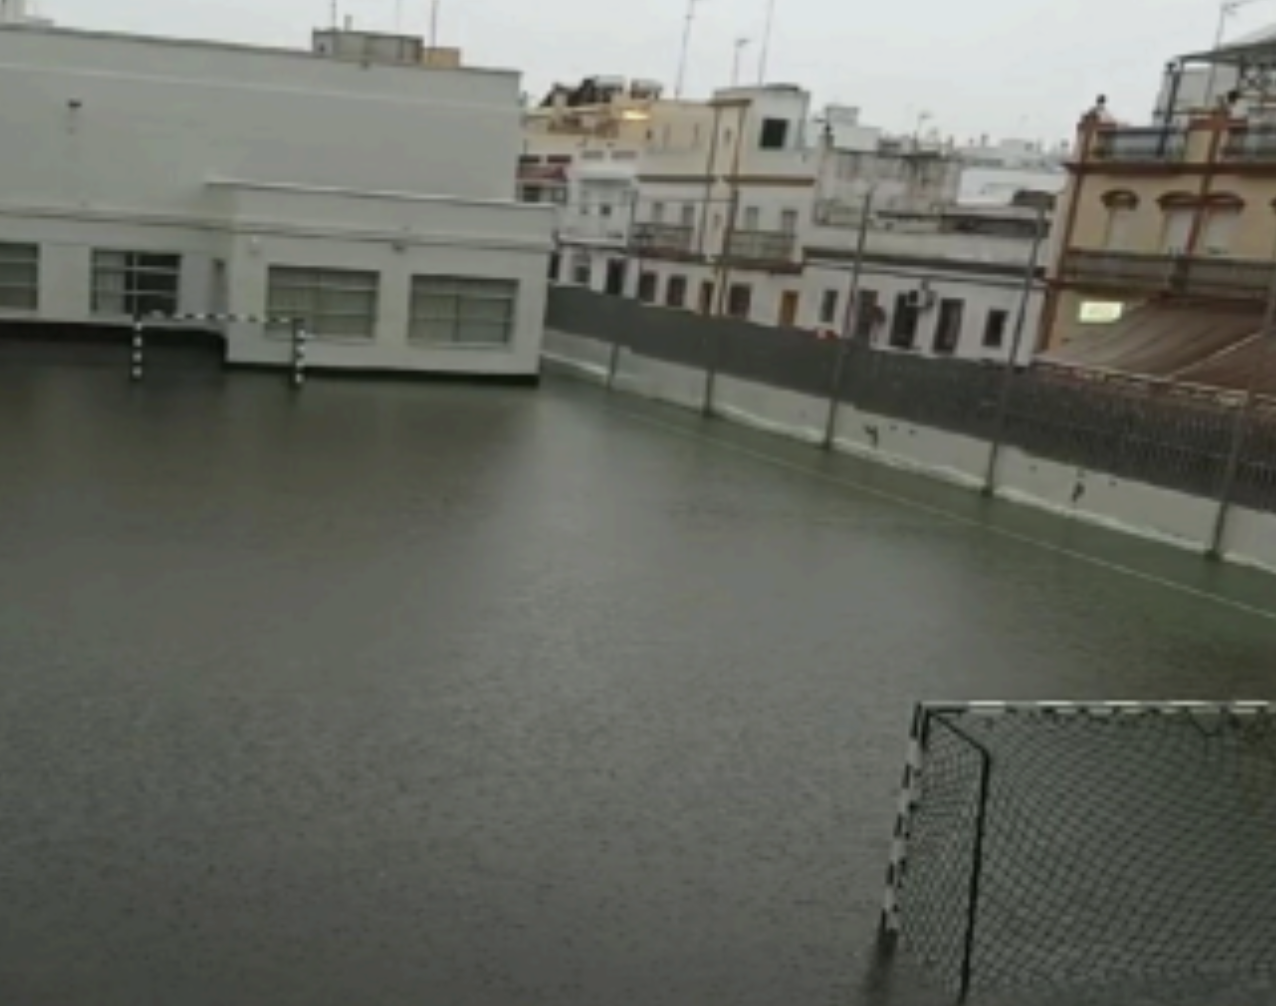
<point x="336" y="302"/>
<point x="1100" y="312"/>
<point x="462" y="310"/>
<point x="135" y="284"/>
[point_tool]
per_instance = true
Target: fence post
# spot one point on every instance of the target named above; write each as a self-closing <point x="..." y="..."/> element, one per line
<point x="1241" y="424"/>
<point x="710" y="368"/>
<point x="137" y="365"/>
<point x="1016" y="347"/>
<point x="849" y="313"/>
<point x="299" y="337"/>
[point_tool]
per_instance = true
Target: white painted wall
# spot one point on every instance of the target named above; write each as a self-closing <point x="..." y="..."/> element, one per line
<point x="255" y="157"/>
<point x="1125" y="505"/>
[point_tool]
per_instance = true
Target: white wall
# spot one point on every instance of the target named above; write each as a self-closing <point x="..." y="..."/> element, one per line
<point x="250" y="158"/>
<point x="980" y="294"/>
<point x="1125" y="505"/>
<point x="155" y="118"/>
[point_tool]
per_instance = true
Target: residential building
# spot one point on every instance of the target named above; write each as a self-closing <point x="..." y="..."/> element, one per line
<point x="1164" y="254"/>
<point x="369" y="200"/>
<point x="761" y="219"/>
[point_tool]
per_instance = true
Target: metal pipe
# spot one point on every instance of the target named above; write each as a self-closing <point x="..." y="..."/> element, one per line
<point x="613" y="361"/>
<point x="1016" y="347"/>
<point x="849" y="315"/>
<point x="740" y="43"/>
<point x="766" y="42"/>
<point x="686" y="44"/>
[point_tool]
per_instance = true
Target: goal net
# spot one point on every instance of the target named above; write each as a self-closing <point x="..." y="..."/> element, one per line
<point x="1055" y="846"/>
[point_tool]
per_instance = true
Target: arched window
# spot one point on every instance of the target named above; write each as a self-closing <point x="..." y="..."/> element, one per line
<point x="1118" y="225"/>
<point x="1222" y="217"/>
<point x="1179" y="209"/>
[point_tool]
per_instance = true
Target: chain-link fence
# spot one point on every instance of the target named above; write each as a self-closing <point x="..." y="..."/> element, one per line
<point x="1154" y="433"/>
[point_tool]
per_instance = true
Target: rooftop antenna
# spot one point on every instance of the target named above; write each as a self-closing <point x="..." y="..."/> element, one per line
<point x="766" y="41"/>
<point x="686" y="42"/>
<point x="740" y="43"/>
<point x="434" y="24"/>
<point x="334" y="15"/>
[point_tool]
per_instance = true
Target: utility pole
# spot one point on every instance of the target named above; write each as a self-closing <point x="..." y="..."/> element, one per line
<point x="766" y="41"/>
<point x="849" y="314"/>
<point x="1016" y="347"/>
<point x="686" y="44"/>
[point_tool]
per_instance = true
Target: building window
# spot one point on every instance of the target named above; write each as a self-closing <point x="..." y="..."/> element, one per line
<point x="995" y="329"/>
<point x="647" y="287"/>
<point x="948" y="326"/>
<point x="581" y="269"/>
<point x="774" y="134"/>
<point x="555" y="265"/>
<point x="752" y="217"/>
<point x="739" y="300"/>
<point x="789" y="221"/>
<point x="828" y="307"/>
<point x="134" y="284"/>
<point x="341" y="302"/>
<point x="530" y="194"/>
<point x="687" y="215"/>
<point x="463" y="310"/>
<point x="867" y="315"/>
<point x="1220" y="226"/>
<point x="1176" y="228"/>
<point x="657" y="213"/>
<point x="605" y="209"/>
<point x="676" y="291"/>
<point x="904" y="324"/>
<point x="19" y="277"/>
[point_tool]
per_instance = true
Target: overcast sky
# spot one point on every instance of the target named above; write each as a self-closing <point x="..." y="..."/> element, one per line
<point x="1004" y="67"/>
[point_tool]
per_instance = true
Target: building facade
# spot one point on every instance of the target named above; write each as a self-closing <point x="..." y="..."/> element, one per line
<point x="759" y="215"/>
<point x="1165" y="249"/>
<point x="371" y="202"/>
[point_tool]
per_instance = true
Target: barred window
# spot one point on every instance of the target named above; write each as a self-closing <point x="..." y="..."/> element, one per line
<point x="340" y="302"/>
<point x="463" y="310"/>
<point x="135" y="284"/>
<point x="19" y="277"/>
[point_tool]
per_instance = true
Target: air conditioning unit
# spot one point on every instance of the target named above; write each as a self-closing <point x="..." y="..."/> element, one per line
<point x="919" y="300"/>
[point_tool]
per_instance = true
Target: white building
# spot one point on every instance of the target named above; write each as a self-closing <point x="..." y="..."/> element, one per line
<point x="372" y="202"/>
<point x="760" y="219"/>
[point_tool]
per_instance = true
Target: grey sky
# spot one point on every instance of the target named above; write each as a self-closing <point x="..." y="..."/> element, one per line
<point x="1004" y="67"/>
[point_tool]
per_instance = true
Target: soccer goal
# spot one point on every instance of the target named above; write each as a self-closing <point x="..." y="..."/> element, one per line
<point x="1057" y="845"/>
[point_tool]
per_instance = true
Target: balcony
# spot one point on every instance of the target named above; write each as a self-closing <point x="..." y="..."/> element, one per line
<point x="1252" y="144"/>
<point x="761" y="246"/>
<point x="1139" y="146"/>
<point x="662" y="239"/>
<point x="1180" y="275"/>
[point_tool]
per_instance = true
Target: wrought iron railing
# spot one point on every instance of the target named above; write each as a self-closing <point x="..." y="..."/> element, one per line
<point x="1137" y="145"/>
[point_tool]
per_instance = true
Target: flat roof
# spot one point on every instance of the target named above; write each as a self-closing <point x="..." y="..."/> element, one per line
<point x="240" y="47"/>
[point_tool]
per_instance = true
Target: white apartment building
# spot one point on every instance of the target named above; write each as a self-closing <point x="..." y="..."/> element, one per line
<point x="760" y="219"/>
<point x="371" y="202"/>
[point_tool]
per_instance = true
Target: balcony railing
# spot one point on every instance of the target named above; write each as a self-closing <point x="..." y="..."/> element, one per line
<point x="666" y="238"/>
<point x="1252" y="143"/>
<point x="1181" y="275"/>
<point x="1139" y="145"/>
<point x="761" y="246"/>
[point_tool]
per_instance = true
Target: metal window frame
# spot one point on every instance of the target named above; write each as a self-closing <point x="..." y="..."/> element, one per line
<point x="420" y="289"/>
<point x="134" y="287"/>
<point x="24" y="255"/>
<point x="313" y="282"/>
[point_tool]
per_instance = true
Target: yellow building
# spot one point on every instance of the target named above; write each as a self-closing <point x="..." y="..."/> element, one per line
<point x="1165" y="245"/>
